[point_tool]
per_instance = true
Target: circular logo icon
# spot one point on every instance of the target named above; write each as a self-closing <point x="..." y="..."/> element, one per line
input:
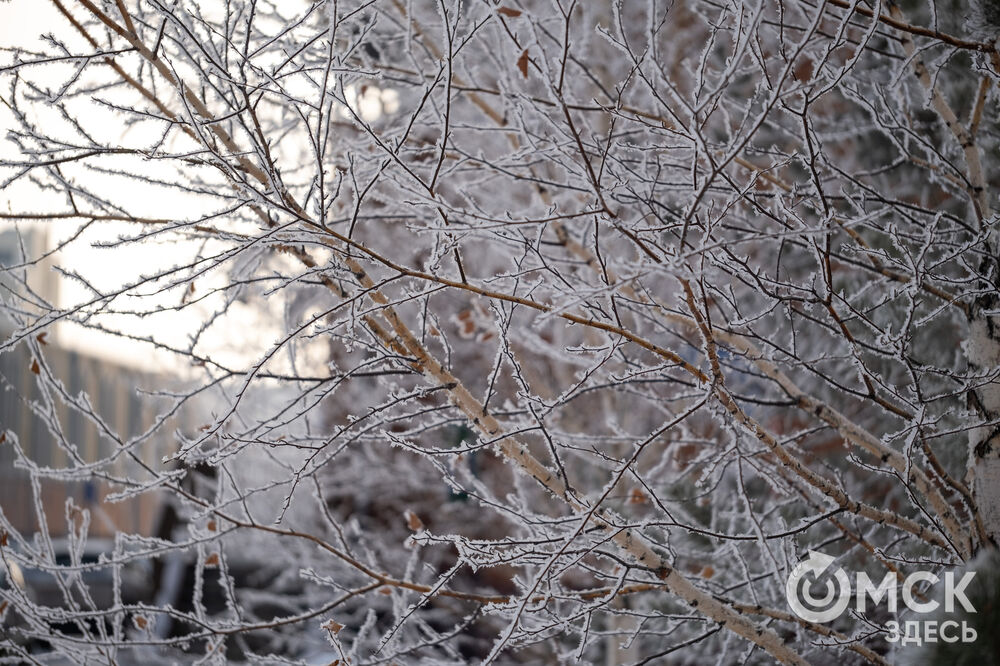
<point x="805" y="601"/>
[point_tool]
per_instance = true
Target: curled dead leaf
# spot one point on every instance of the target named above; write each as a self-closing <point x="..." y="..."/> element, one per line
<point x="35" y="368"/>
<point x="212" y="560"/>
<point x="41" y="337"/>
<point x="803" y="69"/>
<point x="507" y="11"/>
<point x="413" y="521"/>
<point x="140" y="622"/>
<point x="332" y="626"/>
<point x="522" y="63"/>
<point x="466" y="324"/>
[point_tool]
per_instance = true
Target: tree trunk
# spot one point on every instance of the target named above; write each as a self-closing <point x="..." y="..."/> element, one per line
<point x="982" y="350"/>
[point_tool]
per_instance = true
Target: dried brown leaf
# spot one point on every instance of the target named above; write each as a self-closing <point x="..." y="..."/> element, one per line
<point x="413" y="521"/>
<point x="332" y="626"/>
<point x="522" y="63"/>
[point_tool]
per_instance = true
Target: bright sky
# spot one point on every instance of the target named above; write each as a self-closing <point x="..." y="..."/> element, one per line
<point x="247" y="330"/>
<point x="235" y="341"/>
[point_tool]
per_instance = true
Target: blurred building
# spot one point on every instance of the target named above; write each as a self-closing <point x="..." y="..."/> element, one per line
<point x="49" y="427"/>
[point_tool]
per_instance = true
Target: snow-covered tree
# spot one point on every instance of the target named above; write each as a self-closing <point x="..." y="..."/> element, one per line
<point x="534" y="332"/>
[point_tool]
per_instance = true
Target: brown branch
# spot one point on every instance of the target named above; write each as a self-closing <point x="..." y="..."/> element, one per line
<point x="896" y="22"/>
